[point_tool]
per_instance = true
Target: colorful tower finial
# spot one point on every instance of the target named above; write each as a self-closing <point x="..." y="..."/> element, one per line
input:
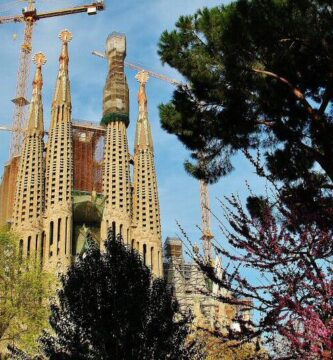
<point x="39" y="59"/>
<point x="65" y="36"/>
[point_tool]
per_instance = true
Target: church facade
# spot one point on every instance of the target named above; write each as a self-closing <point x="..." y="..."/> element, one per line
<point x="84" y="180"/>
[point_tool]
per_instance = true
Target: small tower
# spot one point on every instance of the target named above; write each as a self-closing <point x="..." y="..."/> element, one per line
<point x="146" y="235"/>
<point x="59" y="169"/>
<point x="29" y="200"/>
<point x="116" y="176"/>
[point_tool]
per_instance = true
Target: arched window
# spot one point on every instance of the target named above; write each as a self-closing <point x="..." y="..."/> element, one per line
<point x="132" y="243"/>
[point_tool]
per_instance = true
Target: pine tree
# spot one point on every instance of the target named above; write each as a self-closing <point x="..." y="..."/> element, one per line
<point x="110" y="307"/>
<point x="260" y="75"/>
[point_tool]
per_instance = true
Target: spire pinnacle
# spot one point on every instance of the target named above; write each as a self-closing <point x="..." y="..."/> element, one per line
<point x="36" y="108"/>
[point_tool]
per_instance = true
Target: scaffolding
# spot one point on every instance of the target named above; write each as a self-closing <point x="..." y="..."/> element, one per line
<point x="88" y="145"/>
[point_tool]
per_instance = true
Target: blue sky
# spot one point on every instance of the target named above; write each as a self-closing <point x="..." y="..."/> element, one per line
<point x="142" y="22"/>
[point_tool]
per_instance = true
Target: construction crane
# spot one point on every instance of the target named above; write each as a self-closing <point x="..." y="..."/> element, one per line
<point x="29" y="17"/>
<point x="5" y="128"/>
<point x="139" y="68"/>
<point x="207" y="235"/>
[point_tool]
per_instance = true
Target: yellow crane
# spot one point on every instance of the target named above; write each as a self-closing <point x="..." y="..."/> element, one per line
<point x="29" y="17"/>
<point x="207" y="235"/>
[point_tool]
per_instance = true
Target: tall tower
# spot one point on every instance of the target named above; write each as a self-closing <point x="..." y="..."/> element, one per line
<point x="146" y="235"/>
<point x="29" y="199"/>
<point x="59" y="169"/>
<point x="116" y="177"/>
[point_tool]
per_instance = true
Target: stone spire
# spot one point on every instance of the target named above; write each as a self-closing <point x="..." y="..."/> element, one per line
<point x="116" y="176"/>
<point x="59" y="168"/>
<point x="29" y="200"/>
<point x="146" y="211"/>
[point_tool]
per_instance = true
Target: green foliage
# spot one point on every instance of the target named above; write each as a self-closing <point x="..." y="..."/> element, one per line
<point x="24" y="292"/>
<point x="260" y="76"/>
<point x="110" y="307"/>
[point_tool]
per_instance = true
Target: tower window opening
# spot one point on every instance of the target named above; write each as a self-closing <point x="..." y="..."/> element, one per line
<point x="42" y="248"/>
<point x="29" y="246"/>
<point x="51" y="232"/>
<point x="113" y="230"/>
<point x="21" y="250"/>
<point x="36" y="246"/>
<point x="66" y="230"/>
<point x="144" y="254"/>
<point x="152" y="257"/>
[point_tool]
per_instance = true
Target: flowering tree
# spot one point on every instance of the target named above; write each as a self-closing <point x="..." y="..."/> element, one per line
<point x="293" y="259"/>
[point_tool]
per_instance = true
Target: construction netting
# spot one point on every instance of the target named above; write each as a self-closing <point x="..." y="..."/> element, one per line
<point x="88" y="145"/>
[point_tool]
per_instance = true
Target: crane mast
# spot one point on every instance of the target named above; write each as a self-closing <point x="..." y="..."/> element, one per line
<point x="20" y="101"/>
<point x="29" y="17"/>
<point x="207" y="235"/>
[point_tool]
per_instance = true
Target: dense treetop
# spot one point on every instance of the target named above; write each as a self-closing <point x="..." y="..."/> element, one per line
<point x="110" y="307"/>
<point x="260" y="76"/>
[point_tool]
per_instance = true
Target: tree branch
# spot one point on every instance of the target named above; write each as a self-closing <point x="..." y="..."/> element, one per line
<point x="298" y="93"/>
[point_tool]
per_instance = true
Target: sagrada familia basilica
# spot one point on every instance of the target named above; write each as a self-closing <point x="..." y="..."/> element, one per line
<point x="84" y="180"/>
<point x="63" y="191"/>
